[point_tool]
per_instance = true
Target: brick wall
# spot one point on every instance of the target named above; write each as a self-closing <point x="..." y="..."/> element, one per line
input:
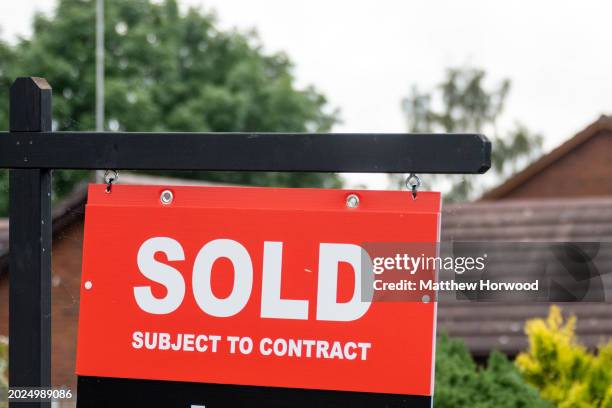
<point x="585" y="171"/>
<point x="3" y="304"/>
<point x="66" y="276"/>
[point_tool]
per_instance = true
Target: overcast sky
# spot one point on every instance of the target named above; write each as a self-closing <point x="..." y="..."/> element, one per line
<point x="366" y="54"/>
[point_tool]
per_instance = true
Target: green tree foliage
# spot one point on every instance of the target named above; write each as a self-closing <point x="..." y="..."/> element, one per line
<point x="461" y="383"/>
<point x="463" y="103"/>
<point x="165" y="71"/>
<point x="564" y="371"/>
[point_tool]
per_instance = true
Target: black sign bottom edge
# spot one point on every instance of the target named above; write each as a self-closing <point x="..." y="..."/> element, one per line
<point x="98" y="392"/>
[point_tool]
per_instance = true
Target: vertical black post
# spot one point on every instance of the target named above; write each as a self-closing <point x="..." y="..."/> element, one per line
<point x="30" y="246"/>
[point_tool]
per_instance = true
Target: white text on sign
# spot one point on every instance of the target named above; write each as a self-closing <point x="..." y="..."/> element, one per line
<point x="272" y="305"/>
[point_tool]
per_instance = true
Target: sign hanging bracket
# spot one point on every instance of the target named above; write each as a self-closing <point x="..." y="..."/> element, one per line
<point x="413" y="182"/>
<point x="110" y="177"/>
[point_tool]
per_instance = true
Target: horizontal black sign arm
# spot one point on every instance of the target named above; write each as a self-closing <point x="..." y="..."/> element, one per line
<point x="299" y="152"/>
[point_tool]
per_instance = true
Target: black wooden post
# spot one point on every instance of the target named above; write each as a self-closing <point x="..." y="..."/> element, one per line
<point x="30" y="246"/>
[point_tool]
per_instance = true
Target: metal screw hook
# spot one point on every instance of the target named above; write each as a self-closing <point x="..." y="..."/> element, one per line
<point x="110" y="177"/>
<point x="413" y="182"/>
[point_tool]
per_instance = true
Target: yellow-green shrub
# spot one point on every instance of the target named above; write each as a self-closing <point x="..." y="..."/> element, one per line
<point x="564" y="371"/>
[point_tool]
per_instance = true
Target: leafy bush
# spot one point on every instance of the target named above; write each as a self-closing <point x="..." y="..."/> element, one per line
<point x="3" y="370"/>
<point x="564" y="371"/>
<point x="461" y="383"/>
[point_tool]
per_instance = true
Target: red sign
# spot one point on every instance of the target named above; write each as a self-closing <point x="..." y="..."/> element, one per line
<point x="251" y="286"/>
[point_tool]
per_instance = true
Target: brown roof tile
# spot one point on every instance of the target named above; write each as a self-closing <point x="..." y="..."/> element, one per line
<point x="492" y="325"/>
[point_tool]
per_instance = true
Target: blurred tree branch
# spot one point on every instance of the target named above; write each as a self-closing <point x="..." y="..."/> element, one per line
<point x="463" y="103"/>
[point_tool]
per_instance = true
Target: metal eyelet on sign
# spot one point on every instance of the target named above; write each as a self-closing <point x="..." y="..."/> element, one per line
<point x="413" y="182"/>
<point x="352" y="201"/>
<point x="166" y="197"/>
<point x="110" y="177"/>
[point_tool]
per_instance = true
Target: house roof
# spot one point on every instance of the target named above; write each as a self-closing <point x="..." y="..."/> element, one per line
<point x="494" y="325"/>
<point x="517" y="180"/>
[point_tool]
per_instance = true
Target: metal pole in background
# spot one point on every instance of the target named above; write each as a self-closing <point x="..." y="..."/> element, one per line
<point x="99" y="65"/>
<point x="30" y="247"/>
<point x="99" y="74"/>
